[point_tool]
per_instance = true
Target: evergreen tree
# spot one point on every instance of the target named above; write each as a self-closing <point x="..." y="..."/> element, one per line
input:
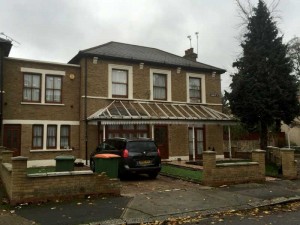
<point x="264" y="91"/>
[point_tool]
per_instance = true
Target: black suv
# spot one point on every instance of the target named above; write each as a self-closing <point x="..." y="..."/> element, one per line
<point x="137" y="155"/>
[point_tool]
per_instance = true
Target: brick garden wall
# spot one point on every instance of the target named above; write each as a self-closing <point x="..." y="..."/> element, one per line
<point x="233" y="173"/>
<point x="22" y="187"/>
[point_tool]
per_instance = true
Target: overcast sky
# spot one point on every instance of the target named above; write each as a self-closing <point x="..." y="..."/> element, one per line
<point x="55" y="30"/>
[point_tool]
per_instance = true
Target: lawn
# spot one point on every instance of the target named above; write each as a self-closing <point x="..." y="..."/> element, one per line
<point x="45" y="169"/>
<point x="182" y="173"/>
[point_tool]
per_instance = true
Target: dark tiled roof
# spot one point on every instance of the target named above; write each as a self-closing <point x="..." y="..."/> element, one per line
<point x="4" y="40"/>
<point x="143" y="54"/>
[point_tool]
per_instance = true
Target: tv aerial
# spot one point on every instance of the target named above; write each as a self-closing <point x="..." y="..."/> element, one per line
<point x="9" y="38"/>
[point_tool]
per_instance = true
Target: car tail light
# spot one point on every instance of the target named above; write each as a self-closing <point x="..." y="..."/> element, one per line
<point x="125" y="153"/>
<point x="158" y="152"/>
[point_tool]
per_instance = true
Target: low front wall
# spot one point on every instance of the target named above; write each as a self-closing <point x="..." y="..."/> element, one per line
<point x="233" y="173"/>
<point x="22" y="187"/>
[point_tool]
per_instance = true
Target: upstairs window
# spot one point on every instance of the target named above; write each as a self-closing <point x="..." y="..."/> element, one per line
<point x="53" y="89"/>
<point x="32" y="88"/>
<point x="119" y="83"/>
<point x="195" y="89"/>
<point x="159" y="86"/>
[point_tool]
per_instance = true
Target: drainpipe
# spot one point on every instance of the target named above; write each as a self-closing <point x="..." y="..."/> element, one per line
<point x="85" y="112"/>
<point x="1" y="94"/>
<point x="229" y="142"/>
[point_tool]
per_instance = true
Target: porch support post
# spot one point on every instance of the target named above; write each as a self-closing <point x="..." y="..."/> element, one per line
<point x="229" y="142"/>
<point x="104" y="135"/>
<point x="152" y="131"/>
<point x="193" y="137"/>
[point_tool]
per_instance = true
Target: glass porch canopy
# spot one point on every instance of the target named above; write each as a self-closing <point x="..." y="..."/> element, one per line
<point x="141" y="112"/>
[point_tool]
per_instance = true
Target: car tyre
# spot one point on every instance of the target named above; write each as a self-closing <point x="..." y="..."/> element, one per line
<point x="92" y="165"/>
<point x="153" y="175"/>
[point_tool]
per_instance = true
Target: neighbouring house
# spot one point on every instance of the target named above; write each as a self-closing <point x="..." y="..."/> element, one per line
<point x="292" y="132"/>
<point x="111" y="90"/>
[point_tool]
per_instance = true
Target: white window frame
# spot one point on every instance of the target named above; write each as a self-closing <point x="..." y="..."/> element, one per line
<point x="130" y="75"/>
<point x="169" y="89"/>
<point x="203" y="90"/>
<point x="43" y="74"/>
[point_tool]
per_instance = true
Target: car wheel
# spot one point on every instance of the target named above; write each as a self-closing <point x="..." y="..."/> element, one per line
<point x="92" y="165"/>
<point x="153" y="175"/>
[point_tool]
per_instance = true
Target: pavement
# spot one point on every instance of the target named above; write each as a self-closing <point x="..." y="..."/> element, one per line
<point x="156" y="205"/>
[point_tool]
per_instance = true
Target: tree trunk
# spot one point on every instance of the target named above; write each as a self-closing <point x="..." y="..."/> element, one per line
<point x="263" y="135"/>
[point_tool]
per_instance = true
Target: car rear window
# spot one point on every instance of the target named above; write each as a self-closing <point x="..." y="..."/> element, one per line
<point x="141" y="146"/>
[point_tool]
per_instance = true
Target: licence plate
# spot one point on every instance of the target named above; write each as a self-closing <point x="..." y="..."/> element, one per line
<point x="144" y="162"/>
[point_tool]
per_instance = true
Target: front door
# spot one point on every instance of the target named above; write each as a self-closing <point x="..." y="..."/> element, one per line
<point x="12" y="138"/>
<point x="196" y="143"/>
<point x="161" y="139"/>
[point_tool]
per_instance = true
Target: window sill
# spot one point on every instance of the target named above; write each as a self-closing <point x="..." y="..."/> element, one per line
<point x="38" y="103"/>
<point x="51" y="150"/>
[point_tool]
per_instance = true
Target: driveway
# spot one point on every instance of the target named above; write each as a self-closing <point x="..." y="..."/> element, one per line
<point x="140" y="184"/>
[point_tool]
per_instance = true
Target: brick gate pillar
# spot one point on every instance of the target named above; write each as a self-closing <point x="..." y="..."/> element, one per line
<point x="209" y="165"/>
<point x="289" y="165"/>
<point x="18" y="178"/>
<point x="6" y="156"/>
<point x="259" y="156"/>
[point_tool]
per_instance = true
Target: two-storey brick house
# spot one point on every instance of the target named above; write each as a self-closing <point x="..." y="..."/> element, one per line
<point x="112" y="90"/>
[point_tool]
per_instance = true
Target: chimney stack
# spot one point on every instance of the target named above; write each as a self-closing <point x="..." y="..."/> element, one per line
<point x="190" y="55"/>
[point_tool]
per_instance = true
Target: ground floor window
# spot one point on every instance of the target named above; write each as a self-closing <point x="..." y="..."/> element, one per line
<point x="127" y="131"/>
<point x="51" y="136"/>
<point x="65" y="137"/>
<point x="37" y="136"/>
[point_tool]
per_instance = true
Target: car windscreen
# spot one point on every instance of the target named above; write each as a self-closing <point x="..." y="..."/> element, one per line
<point x="141" y="146"/>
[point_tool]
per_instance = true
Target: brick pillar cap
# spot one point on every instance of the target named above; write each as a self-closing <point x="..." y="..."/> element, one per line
<point x="259" y="151"/>
<point x="19" y="158"/>
<point x="273" y="147"/>
<point x="209" y="152"/>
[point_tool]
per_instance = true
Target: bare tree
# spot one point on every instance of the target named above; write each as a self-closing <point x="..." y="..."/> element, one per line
<point x="294" y="54"/>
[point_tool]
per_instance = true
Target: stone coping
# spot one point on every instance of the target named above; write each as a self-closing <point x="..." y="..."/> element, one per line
<point x="7" y="166"/>
<point x="63" y="173"/>
<point x="236" y="164"/>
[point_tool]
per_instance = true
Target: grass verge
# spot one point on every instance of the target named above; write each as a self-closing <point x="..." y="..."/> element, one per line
<point x="182" y="173"/>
